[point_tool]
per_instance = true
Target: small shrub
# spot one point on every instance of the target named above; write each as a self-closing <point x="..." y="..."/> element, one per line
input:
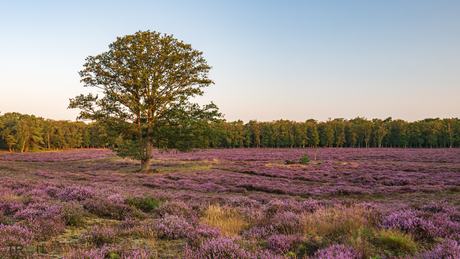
<point x="76" y="193"/>
<point x="276" y="206"/>
<point x="287" y="222"/>
<point x="2" y="218"/>
<point x="448" y="249"/>
<point x="410" y="222"/>
<point x="338" y="252"/>
<point x="44" y="228"/>
<point x="14" y="235"/>
<point x="196" y="236"/>
<point x="305" y="159"/>
<point x="94" y="253"/>
<point x="260" y="232"/>
<point x="138" y="252"/>
<point x="52" y="191"/>
<point x="100" y="235"/>
<point x="282" y="243"/>
<point x="129" y="223"/>
<point x="10" y="207"/>
<point x="38" y="210"/>
<point x="72" y="212"/>
<point x="225" y="247"/>
<point x="170" y="227"/>
<point x="177" y="208"/>
<point x="242" y="201"/>
<point x="110" y="208"/>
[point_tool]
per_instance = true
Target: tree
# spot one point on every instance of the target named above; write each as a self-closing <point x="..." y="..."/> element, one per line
<point x="379" y="131"/>
<point x="147" y="79"/>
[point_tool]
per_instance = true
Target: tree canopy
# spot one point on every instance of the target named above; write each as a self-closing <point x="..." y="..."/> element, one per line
<point x="147" y="80"/>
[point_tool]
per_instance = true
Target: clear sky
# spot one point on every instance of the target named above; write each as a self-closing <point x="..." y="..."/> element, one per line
<point x="291" y="59"/>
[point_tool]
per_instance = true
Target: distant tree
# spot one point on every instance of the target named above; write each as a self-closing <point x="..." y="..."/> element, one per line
<point x="26" y="131"/>
<point x="146" y="79"/>
<point x="379" y="131"/>
<point x="351" y="136"/>
<point x="415" y="135"/>
<point x="312" y="133"/>
<point x="431" y="129"/>
<point x="327" y="133"/>
<point x="256" y="132"/>
<point x="399" y="132"/>
<point x="339" y="129"/>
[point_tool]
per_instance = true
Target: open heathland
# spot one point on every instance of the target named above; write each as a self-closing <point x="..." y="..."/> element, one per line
<point x="232" y="203"/>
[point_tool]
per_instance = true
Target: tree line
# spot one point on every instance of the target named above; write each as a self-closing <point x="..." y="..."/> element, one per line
<point x="354" y="133"/>
<point x="22" y="133"/>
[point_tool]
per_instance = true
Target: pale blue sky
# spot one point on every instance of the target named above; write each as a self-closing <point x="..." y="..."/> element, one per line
<point x="271" y="59"/>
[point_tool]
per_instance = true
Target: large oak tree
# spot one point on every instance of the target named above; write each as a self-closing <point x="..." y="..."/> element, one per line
<point x="146" y="80"/>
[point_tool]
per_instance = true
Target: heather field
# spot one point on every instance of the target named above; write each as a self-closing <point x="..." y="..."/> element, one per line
<point x="232" y="203"/>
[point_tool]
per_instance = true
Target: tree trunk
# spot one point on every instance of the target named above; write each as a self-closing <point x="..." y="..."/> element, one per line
<point x="23" y="145"/>
<point x="146" y="164"/>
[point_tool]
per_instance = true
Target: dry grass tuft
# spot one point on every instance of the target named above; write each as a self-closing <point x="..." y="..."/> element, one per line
<point x="337" y="220"/>
<point x="226" y="218"/>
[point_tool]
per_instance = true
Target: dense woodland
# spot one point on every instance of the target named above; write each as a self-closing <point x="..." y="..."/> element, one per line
<point x="23" y="133"/>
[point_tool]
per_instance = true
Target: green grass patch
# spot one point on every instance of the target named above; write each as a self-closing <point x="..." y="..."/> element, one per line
<point x="146" y="204"/>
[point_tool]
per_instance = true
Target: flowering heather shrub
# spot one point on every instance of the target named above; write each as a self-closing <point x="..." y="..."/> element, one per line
<point x="129" y="223"/>
<point x="100" y="235"/>
<point x="94" y="253"/>
<point x="448" y="249"/>
<point x="2" y="218"/>
<point x="35" y="195"/>
<point x="44" y="228"/>
<point x="135" y="252"/>
<point x="277" y="206"/>
<point x="72" y="212"/>
<point x="211" y="187"/>
<point x="138" y="252"/>
<point x="224" y="247"/>
<point x="348" y="171"/>
<point x="287" y="222"/>
<point x="10" y="207"/>
<point x="260" y="232"/>
<point x="311" y="205"/>
<point x="196" y="236"/>
<point x="39" y="210"/>
<point x="171" y="227"/>
<point x="437" y="208"/>
<point x="177" y="208"/>
<point x="113" y="208"/>
<point x="76" y="193"/>
<point x="52" y="191"/>
<point x="337" y="252"/>
<point x="242" y="201"/>
<point x="409" y="221"/>
<point x="282" y="243"/>
<point x="14" y="235"/>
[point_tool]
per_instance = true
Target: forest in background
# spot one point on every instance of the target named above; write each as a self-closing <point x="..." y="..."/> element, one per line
<point x="23" y="133"/>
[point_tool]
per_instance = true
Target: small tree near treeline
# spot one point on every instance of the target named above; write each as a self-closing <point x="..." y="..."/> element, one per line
<point x="147" y="80"/>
